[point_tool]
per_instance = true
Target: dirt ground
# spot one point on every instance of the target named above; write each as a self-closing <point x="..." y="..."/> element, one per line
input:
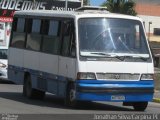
<point x="154" y="41"/>
<point x="155" y="38"/>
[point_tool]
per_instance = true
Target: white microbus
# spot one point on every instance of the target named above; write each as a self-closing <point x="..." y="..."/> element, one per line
<point x="82" y="56"/>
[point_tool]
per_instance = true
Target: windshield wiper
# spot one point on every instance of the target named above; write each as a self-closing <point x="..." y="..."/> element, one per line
<point x="100" y="53"/>
<point x="120" y="57"/>
<point x="137" y="56"/>
<point x="141" y="57"/>
<point x="109" y="55"/>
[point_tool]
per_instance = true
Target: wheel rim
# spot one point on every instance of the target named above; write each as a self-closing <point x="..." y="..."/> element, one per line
<point x="72" y="95"/>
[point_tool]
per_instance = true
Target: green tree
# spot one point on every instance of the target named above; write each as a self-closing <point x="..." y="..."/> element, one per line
<point x="86" y="2"/>
<point x="121" y="6"/>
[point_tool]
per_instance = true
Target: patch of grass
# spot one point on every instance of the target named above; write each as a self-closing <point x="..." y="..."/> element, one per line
<point x="154" y="44"/>
<point x="157" y="100"/>
<point x="157" y="81"/>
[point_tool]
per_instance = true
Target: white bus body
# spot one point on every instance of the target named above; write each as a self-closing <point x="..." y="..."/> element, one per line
<point x="86" y="56"/>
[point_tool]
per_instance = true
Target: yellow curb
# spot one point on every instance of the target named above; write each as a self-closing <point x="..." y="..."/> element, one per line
<point x="157" y="100"/>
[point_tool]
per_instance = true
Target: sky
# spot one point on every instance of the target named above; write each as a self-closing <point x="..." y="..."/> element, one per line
<point x="96" y="2"/>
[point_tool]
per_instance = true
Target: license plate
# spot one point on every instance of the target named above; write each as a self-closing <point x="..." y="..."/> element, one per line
<point x="117" y="97"/>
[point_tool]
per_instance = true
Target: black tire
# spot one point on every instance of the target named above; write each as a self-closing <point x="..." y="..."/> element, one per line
<point x="30" y="92"/>
<point x="39" y="94"/>
<point x="70" y="100"/>
<point x="140" y="106"/>
<point x="24" y="89"/>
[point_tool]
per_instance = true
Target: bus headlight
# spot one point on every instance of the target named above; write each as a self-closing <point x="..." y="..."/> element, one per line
<point x="2" y="65"/>
<point x="147" y="77"/>
<point x="82" y="75"/>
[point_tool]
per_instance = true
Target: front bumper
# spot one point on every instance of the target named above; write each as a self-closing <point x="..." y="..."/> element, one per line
<point x="96" y="90"/>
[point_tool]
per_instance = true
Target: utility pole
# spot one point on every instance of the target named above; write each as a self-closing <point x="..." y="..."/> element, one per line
<point x="66" y="5"/>
<point x="81" y="3"/>
<point x="149" y="30"/>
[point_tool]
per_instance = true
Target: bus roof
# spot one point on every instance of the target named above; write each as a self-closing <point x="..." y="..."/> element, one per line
<point x="73" y="14"/>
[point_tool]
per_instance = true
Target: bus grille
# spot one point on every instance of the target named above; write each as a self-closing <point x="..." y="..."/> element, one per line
<point x="117" y="76"/>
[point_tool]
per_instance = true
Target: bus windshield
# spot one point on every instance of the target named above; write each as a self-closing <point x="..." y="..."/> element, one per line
<point x="106" y="36"/>
<point x="3" y="54"/>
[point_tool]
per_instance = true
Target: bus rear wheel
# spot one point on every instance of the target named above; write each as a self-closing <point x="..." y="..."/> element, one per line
<point x="30" y="92"/>
<point x="140" y="106"/>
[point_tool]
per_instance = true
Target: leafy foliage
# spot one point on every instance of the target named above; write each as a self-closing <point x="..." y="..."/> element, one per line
<point x="121" y="6"/>
<point x="86" y="2"/>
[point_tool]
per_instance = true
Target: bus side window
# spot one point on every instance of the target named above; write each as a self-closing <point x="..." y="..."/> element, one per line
<point x="34" y="38"/>
<point x="51" y="38"/>
<point x="18" y="36"/>
<point x="68" y="42"/>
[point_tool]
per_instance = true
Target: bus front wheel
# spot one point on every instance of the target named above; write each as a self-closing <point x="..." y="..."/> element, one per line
<point x="70" y="96"/>
<point x="140" y="106"/>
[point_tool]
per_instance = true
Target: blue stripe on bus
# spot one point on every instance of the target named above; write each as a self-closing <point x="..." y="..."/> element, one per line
<point x="55" y="84"/>
<point x="106" y="83"/>
<point x="107" y="97"/>
<point x="99" y="84"/>
<point x="39" y="73"/>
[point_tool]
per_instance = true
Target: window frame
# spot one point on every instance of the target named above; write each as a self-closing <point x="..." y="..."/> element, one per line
<point x="14" y="29"/>
<point x="31" y="32"/>
<point x="60" y="32"/>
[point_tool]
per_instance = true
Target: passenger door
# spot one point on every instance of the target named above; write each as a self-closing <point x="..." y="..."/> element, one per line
<point x="67" y="59"/>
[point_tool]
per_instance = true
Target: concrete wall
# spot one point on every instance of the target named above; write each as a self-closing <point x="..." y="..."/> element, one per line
<point x="155" y="22"/>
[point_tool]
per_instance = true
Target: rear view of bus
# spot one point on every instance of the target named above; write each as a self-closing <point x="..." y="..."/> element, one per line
<point x="115" y="63"/>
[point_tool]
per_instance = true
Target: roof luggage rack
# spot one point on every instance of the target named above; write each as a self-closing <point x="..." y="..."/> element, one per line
<point x="89" y="8"/>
